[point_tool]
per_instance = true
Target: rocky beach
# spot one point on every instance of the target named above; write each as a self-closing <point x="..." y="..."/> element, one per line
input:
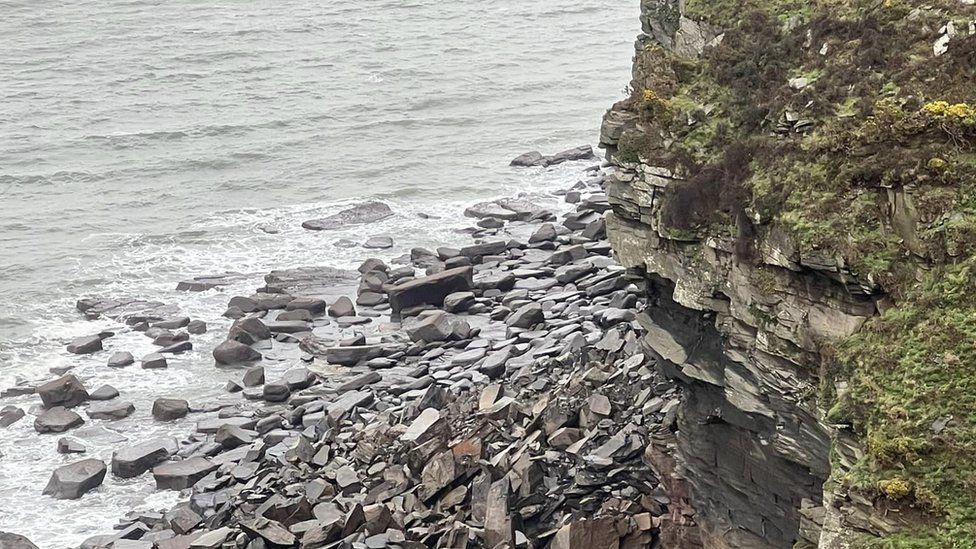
<point x="491" y="394"/>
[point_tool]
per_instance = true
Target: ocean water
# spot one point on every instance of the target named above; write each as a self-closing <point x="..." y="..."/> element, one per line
<point x="142" y="143"/>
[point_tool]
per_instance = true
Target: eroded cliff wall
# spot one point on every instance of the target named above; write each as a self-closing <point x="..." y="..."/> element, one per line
<point x="766" y="247"/>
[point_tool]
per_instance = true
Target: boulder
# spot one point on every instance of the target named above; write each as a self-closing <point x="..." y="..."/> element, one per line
<point x="110" y="410"/>
<point x="438" y="326"/>
<point x="342" y="307"/>
<point x="458" y="301"/>
<point x="526" y="316"/>
<point x="367" y="212"/>
<point x="545" y="233"/>
<point x="85" y="345"/>
<point x="15" y="541"/>
<point x="121" y="359"/>
<point x="70" y="446"/>
<point x="378" y="243"/>
<point x="234" y="352"/>
<point x="276" y="392"/>
<point x="154" y="361"/>
<point x="180" y="475"/>
<point x="57" y="420"/>
<point x="170" y="409"/>
<point x="132" y="461"/>
<point x="429" y="290"/>
<point x="196" y="327"/>
<point x="314" y="306"/>
<point x="174" y="323"/>
<point x="249" y="331"/>
<point x="105" y="392"/>
<point x="253" y="376"/>
<point x="533" y="158"/>
<point x="10" y="415"/>
<point x="65" y="391"/>
<point x="75" y="479"/>
<point x="583" y="152"/>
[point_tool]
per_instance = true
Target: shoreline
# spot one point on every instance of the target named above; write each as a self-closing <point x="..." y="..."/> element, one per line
<point x="381" y="381"/>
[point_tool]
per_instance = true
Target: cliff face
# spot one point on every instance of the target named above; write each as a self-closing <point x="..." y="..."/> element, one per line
<point x="779" y="203"/>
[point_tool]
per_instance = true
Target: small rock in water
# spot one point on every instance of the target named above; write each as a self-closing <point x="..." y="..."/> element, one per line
<point x="367" y="212"/>
<point x="10" y="415"/>
<point x="85" y="345"/>
<point x="121" y="359"/>
<point x="69" y="446"/>
<point x="196" y="327"/>
<point x="57" y="420"/>
<point x="234" y="352"/>
<point x="378" y="243"/>
<point x="105" y="392"/>
<point x="154" y="361"/>
<point x="110" y="410"/>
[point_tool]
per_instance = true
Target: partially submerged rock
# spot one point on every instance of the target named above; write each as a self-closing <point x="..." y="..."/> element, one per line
<point x="76" y="479"/>
<point x="367" y="212"/>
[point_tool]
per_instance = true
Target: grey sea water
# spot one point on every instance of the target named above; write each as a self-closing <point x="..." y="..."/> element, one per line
<point x="146" y="142"/>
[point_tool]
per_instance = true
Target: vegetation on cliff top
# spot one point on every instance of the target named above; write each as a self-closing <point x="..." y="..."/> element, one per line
<point x="852" y="124"/>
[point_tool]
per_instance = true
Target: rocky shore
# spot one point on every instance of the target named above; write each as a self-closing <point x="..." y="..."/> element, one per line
<point x="494" y="395"/>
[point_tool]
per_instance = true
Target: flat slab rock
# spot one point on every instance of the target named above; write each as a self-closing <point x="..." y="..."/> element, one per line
<point x="310" y="281"/>
<point x="75" y="479"/>
<point x="180" y="475"/>
<point x="131" y="310"/>
<point x="367" y="212"/>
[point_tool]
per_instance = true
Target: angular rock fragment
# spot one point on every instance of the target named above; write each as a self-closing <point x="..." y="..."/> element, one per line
<point x="85" y="345"/>
<point x="233" y="352"/>
<point x="429" y="290"/>
<point x="57" y="420"/>
<point x="65" y="391"/>
<point x="180" y="475"/>
<point x="76" y="479"/>
<point x="170" y="409"/>
<point x="132" y="461"/>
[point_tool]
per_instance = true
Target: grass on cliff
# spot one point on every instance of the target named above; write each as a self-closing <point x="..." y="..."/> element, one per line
<point x="872" y="161"/>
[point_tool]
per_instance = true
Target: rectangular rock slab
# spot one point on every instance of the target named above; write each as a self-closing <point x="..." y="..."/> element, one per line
<point x="429" y="290"/>
<point x="347" y="402"/>
<point x="422" y="426"/>
<point x="180" y="475"/>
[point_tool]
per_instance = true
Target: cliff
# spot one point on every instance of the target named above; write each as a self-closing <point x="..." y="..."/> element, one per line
<point x="794" y="182"/>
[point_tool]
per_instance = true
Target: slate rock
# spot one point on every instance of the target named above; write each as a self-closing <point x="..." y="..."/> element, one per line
<point x="74" y="480"/>
<point x="10" y="415"/>
<point x="429" y="290"/>
<point x="132" y="461"/>
<point x="170" y="409"/>
<point x="65" y="391"/>
<point x="526" y="316"/>
<point x="367" y="212"/>
<point x="154" y="361"/>
<point x="15" y="541"/>
<point x="105" y="392"/>
<point x="180" y="475"/>
<point x="70" y="446"/>
<point x="57" y="420"/>
<point x="85" y="345"/>
<point x="110" y="410"/>
<point x="342" y="307"/>
<point x="121" y="359"/>
<point x="232" y="352"/>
